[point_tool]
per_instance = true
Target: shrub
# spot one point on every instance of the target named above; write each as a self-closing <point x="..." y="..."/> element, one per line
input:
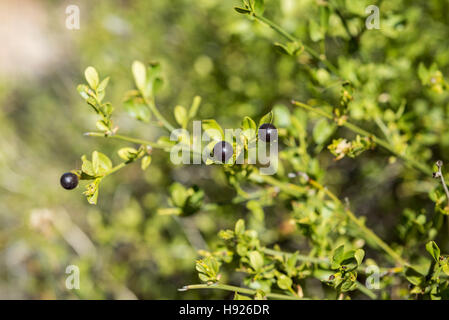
<point x="356" y="108"/>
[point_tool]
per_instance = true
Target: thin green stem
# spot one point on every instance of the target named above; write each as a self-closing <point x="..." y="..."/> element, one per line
<point x="321" y="260"/>
<point x="140" y="154"/>
<point x="344" y="23"/>
<point x="239" y="290"/>
<point x="127" y="139"/>
<point x="383" y="128"/>
<point x="152" y="105"/>
<point x="439" y="174"/>
<point x="289" y="188"/>
<point x="326" y="261"/>
<point x="280" y="30"/>
<point x="293" y="190"/>
<point x="116" y="168"/>
<point x="364" y="229"/>
<point x="302" y="258"/>
<point x="354" y="128"/>
<point x="155" y="145"/>
<point x="289" y="37"/>
<point x="254" y="195"/>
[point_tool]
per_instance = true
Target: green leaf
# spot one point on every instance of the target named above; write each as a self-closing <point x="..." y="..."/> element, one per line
<point x="157" y="84"/>
<point x="107" y="108"/>
<point x="93" y="198"/>
<point x="423" y="74"/>
<point x="92" y="77"/>
<point x="213" y="129"/>
<point x="259" y="6"/>
<point x="203" y="277"/>
<point x="154" y="70"/>
<point x="433" y="249"/>
<point x="359" y="254"/>
<point x="92" y="191"/>
<point x="292" y="48"/>
<point x="101" y="125"/>
<point x="249" y="128"/>
<point x="242" y="10"/>
<point x="194" y="107"/>
<point x="208" y="269"/>
<point x="256" y="260"/>
<point x="315" y="31"/>
<point x="241" y="297"/>
<point x="178" y="194"/>
<point x="256" y="208"/>
<point x="268" y="118"/>
<point x="136" y="106"/>
<point x="153" y="82"/>
<point x="87" y="166"/>
<point x="240" y="227"/>
<point x="169" y="211"/>
<point x="348" y="285"/>
<point x="322" y="131"/>
<point x="248" y="124"/>
<point x="140" y="75"/>
<point x="213" y="264"/>
<point x="338" y="256"/>
<point x="413" y="276"/>
<point x="445" y="269"/>
<point x="127" y="153"/>
<point x="241" y="249"/>
<point x="290" y="264"/>
<point x="324" y="18"/>
<point x="281" y="116"/>
<point x="349" y="260"/>
<point x="284" y="282"/>
<point x="84" y="91"/>
<point x="145" y="162"/>
<point x="103" y="84"/>
<point x="260" y="295"/>
<point x="101" y="163"/>
<point x="181" y="116"/>
<point x="282" y="48"/>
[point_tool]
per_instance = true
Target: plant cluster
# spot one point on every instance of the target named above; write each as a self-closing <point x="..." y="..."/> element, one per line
<point x="338" y="249"/>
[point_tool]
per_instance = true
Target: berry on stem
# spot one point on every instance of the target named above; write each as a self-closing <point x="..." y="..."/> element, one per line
<point x="223" y="151"/>
<point x="267" y="132"/>
<point x="69" y="181"/>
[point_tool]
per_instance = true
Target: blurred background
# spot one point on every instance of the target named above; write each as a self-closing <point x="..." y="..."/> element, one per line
<point x="122" y="247"/>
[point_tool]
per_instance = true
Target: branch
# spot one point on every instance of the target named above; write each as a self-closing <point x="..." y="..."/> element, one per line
<point x="439" y="174"/>
<point x="152" y="105"/>
<point x="155" y="145"/>
<point x="289" y="37"/>
<point x="293" y="190"/>
<point x="239" y="290"/>
<point x="354" y="128"/>
<point x="297" y="191"/>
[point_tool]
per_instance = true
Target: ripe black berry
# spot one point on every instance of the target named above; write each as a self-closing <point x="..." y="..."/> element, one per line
<point x="267" y="132"/>
<point x="69" y="180"/>
<point x="223" y="151"/>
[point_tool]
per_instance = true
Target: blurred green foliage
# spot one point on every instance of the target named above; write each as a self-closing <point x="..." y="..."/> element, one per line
<point x="127" y="248"/>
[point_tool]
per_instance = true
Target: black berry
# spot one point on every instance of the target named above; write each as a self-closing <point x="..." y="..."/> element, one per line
<point x="69" y="180"/>
<point x="223" y="151"/>
<point x="267" y="132"/>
